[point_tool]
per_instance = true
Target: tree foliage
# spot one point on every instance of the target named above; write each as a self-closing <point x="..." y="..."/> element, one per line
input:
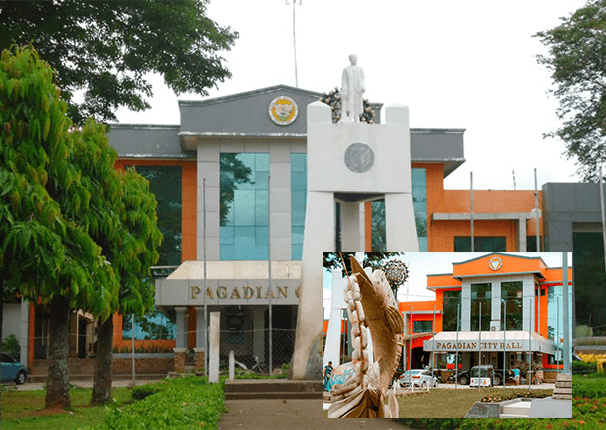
<point x="105" y="48"/>
<point x="577" y="61"/>
<point x="43" y="252"/>
<point x="332" y="260"/>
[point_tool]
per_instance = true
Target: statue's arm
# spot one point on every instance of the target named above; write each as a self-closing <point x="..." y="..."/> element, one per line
<point x="362" y="80"/>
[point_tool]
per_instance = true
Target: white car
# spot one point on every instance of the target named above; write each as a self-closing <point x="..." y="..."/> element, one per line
<point x="419" y="378"/>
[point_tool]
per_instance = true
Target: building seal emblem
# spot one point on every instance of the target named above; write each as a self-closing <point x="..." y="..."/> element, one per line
<point x="283" y="110"/>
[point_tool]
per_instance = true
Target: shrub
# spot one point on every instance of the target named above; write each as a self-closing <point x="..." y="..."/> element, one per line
<point x="142" y="391"/>
<point x="183" y="403"/>
<point x="10" y="346"/>
<point x="583" y="368"/>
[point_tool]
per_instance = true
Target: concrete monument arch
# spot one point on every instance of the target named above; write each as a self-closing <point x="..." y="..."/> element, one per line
<point x="350" y="162"/>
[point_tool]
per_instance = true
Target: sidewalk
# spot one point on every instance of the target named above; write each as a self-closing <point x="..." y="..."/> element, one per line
<point x="292" y="415"/>
<point x="33" y="386"/>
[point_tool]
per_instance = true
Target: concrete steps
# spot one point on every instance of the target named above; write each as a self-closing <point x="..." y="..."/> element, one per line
<point x="563" y="387"/>
<point x="242" y="389"/>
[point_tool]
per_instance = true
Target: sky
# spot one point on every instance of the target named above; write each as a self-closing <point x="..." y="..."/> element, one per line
<point x="468" y="64"/>
<point x="424" y="263"/>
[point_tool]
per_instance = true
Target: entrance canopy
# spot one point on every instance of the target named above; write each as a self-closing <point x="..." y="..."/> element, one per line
<point x="514" y="341"/>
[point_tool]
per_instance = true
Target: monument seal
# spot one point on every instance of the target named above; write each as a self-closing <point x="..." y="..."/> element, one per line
<point x="359" y="157"/>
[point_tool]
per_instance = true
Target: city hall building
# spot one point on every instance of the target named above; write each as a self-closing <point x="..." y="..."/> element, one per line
<point x="507" y="307"/>
<point x="231" y="185"/>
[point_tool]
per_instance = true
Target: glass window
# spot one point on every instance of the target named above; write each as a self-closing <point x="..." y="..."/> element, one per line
<point x="165" y="184"/>
<point x="422" y="326"/>
<point x="244" y="197"/>
<point x="590" y="282"/>
<point x="481" y="244"/>
<point x="480" y="306"/>
<point x="511" y="293"/>
<point x="451" y="300"/>
<point x="298" y="201"/>
<point x="419" y="203"/>
<point x="153" y="326"/>
<point x="531" y="243"/>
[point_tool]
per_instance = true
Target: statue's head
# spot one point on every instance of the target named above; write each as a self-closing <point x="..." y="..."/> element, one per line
<point x="353" y="59"/>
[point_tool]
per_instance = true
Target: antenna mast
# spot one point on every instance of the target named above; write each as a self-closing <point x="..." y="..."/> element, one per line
<point x="294" y="36"/>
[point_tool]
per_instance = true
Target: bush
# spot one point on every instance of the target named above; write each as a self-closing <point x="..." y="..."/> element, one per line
<point x="182" y="403"/>
<point x="142" y="391"/>
<point x="583" y="368"/>
<point x="588" y="387"/>
<point x="10" y="346"/>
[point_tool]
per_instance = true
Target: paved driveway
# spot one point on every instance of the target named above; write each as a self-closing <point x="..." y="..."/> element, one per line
<point x="292" y="415"/>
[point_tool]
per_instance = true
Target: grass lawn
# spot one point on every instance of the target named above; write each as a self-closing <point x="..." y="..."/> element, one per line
<point x="25" y="410"/>
<point x="444" y="402"/>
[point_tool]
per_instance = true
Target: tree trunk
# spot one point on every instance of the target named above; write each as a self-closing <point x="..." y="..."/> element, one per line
<point x="102" y="388"/>
<point x="57" y="394"/>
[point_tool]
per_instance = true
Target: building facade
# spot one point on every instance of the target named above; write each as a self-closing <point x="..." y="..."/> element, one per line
<point x="231" y="182"/>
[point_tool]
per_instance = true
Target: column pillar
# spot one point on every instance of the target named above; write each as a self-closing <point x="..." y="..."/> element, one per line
<point x="350" y="227"/>
<point x="400" y="227"/>
<point x="24" y="332"/>
<point x="181" y="340"/>
<point x="522" y="233"/>
<point x="214" y="338"/>
<point x="200" y="349"/>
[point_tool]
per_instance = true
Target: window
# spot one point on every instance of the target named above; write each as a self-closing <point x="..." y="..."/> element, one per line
<point x="480" y="243"/>
<point x="298" y="201"/>
<point x="590" y="282"/>
<point x="511" y="293"/>
<point x="450" y="302"/>
<point x="419" y="203"/>
<point x="153" y="326"/>
<point x="480" y="306"/>
<point x="244" y="219"/>
<point x="165" y="184"/>
<point x="531" y="243"/>
<point x="422" y="326"/>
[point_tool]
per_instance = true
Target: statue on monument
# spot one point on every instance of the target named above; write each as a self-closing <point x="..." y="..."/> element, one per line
<point x="372" y="311"/>
<point x="352" y="88"/>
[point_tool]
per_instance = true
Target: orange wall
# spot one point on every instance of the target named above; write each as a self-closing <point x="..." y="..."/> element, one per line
<point x="440" y="234"/>
<point x="510" y="264"/>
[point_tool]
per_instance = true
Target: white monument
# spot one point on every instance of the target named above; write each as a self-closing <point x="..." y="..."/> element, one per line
<point x="351" y="162"/>
<point x="352" y="87"/>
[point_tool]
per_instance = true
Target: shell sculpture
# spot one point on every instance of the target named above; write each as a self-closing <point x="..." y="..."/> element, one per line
<point x="372" y="311"/>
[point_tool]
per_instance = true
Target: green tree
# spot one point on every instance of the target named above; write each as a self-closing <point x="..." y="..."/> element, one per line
<point x="106" y="48"/>
<point x="577" y="61"/>
<point x="44" y="253"/>
<point x="132" y="255"/>
<point x="332" y="260"/>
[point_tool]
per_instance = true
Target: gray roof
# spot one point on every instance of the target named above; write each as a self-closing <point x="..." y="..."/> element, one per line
<point x="248" y="114"/>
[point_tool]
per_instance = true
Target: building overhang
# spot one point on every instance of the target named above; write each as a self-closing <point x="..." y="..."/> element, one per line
<point x="230" y="283"/>
<point x="466" y="216"/>
<point x="488" y="341"/>
<point x="190" y="140"/>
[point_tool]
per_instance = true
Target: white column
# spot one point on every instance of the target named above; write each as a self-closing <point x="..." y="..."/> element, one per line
<point x="333" y="336"/>
<point x="215" y="343"/>
<point x="200" y="330"/>
<point x="522" y="233"/>
<point x="350" y="227"/>
<point x="400" y="228"/>
<point x="181" y="340"/>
